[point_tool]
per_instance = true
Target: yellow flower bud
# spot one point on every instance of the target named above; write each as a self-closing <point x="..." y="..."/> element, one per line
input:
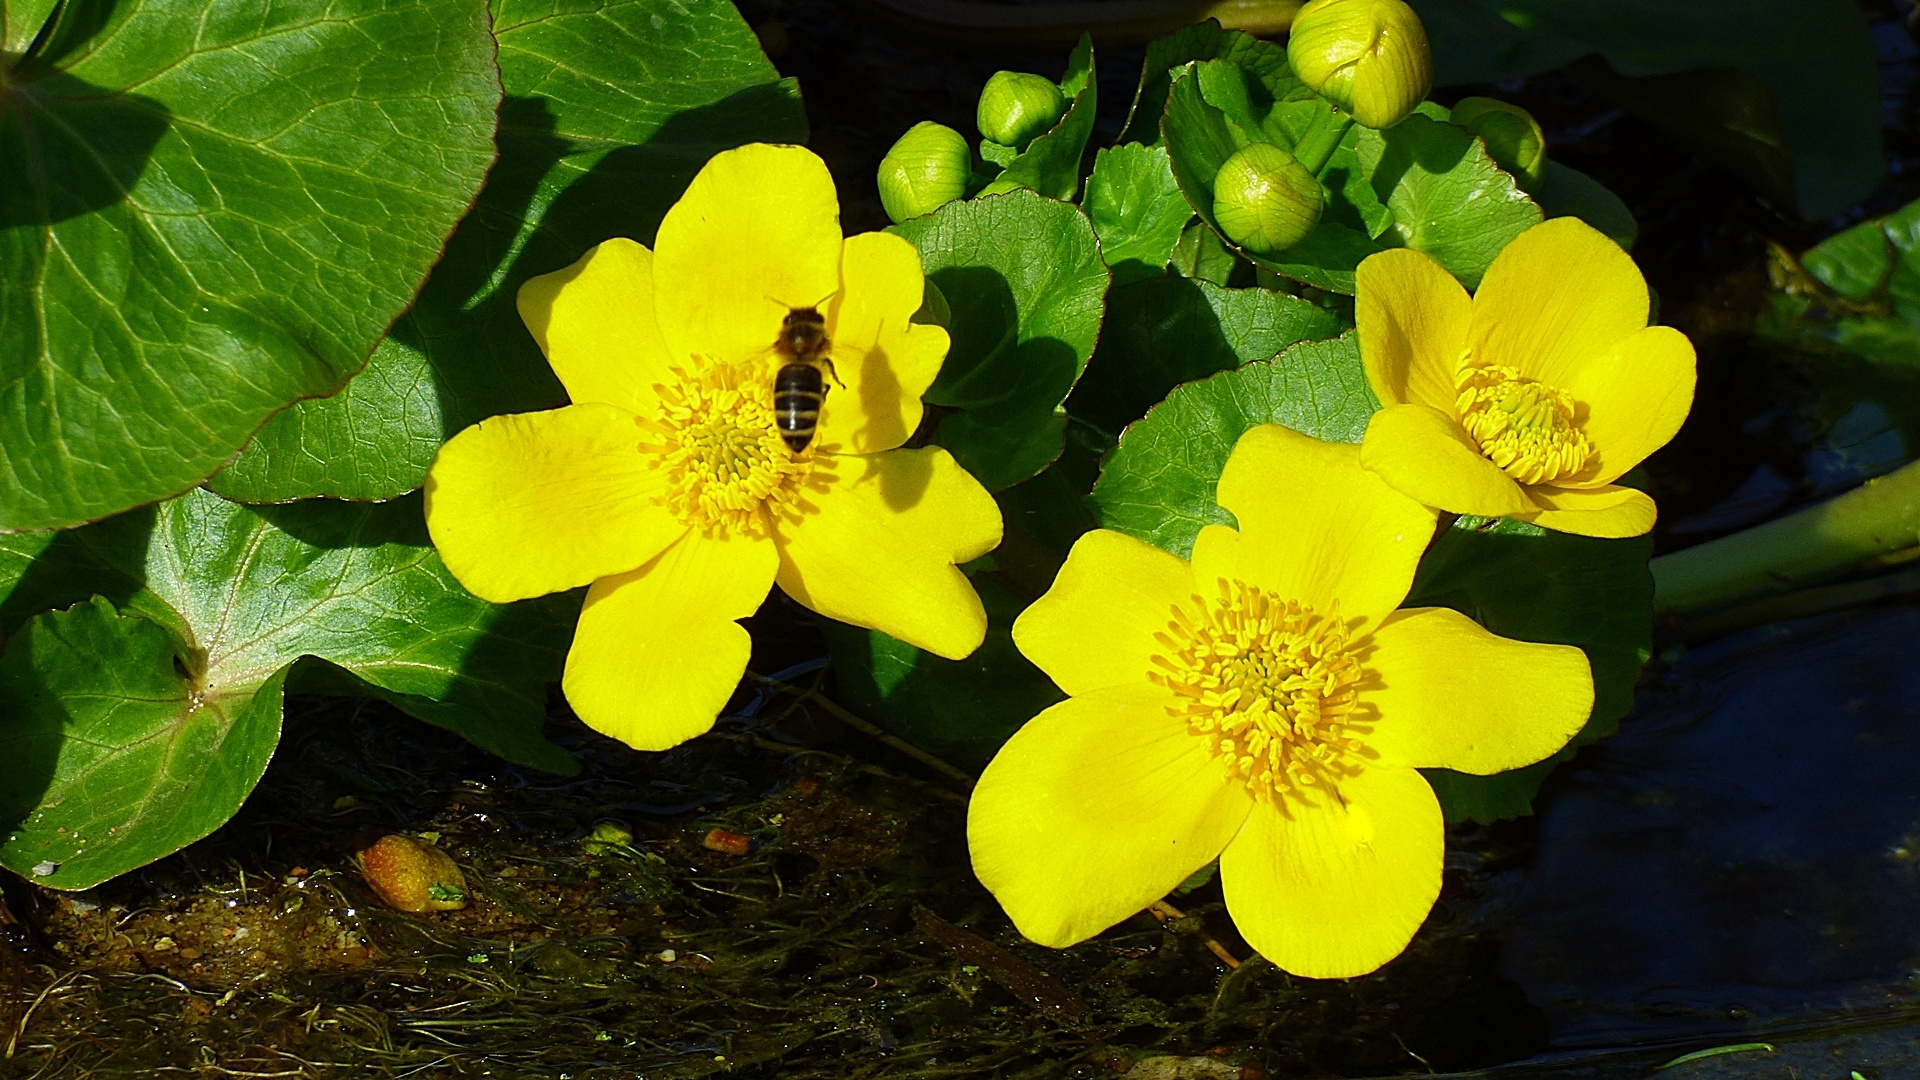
<point x="1016" y="108"/>
<point x="1265" y="200"/>
<point x="1369" y="57"/>
<point x="1513" y="137"/>
<point x="928" y="168"/>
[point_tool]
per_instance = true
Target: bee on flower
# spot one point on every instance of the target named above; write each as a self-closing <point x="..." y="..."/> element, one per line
<point x="1263" y="703"/>
<point x="677" y="486"/>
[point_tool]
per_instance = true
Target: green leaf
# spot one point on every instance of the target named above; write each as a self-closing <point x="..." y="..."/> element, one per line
<point x="1447" y="196"/>
<point x="1524" y="582"/>
<point x="1137" y="210"/>
<point x="1170" y="330"/>
<point x="1813" y="58"/>
<point x="207" y="211"/>
<point x="1858" y="291"/>
<point x="1159" y="483"/>
<point x="1023" y="280"/>
<point x="612" y="106"/>
<point x="1203" y="256"/>
<point x="117" y="750"/>
<point x="250" y="590"/>
<point x="1205" y="41"/>
<point x="1571" y="193"/>
<point x="957" y="710"/>
<point x="1050" y="164"/>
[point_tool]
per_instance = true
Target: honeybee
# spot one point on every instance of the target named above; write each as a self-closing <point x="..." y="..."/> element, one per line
<point x="800" y="387"/>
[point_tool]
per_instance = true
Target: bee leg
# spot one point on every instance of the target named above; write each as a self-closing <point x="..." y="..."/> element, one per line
<point x="828" y="360"/>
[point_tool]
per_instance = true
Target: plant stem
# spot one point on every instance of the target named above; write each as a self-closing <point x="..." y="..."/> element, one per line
<point x="1322" y="137"/>
<point x="1875" y="520"/>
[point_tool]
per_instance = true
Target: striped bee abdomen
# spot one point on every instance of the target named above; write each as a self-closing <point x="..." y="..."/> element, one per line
<point x="798" y="391"/>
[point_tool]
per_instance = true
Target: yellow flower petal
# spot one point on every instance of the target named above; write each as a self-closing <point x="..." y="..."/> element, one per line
<point x="1447" y="694"/>
<point x="1096" y="808"/>
<point x="657" y="651"/>
<point x="1413" y="319"/>
<point x="1338" y="890"/>
<point x="873" y="541"/>
<point x="1424" y="454"/>
<point x="1636" y="398"/>
<point x="1314" y="526"/>
<point x="535" y="503"/>
<point x="1095" y="626"/>
<point x="1557" y="298"/>
<point x="756" y="234"/>
<point x="594" y="321"/>
<point x="1609" y="512"/>
<point x="884" y="360"/>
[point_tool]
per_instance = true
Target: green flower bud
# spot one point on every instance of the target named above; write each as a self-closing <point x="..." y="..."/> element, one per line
<point x="1264" y="200"/>
<point x="1016" y="108"/>
<point x="1369" y="57"/>
<point x="1514" y="139"/>
<point x="928" y="168"/>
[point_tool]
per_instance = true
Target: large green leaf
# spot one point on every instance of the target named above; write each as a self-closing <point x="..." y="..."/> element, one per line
<point x="1050" y="164"/>
<point x="1521" y="581"/>
<point x="1812" y="59"/>
<point x="1137" y="210"/>
<point x="1447" y="196"/>
<point x="209" y="209"/>
<point x="612" y="106"/>
<point x="247" y="591"/>
<point x="1159" y="483"/>
<point x="1858" y="291"/>
<point x="1023" y="281"/>
<point x="117" y="749"/>
<point x="1169" y="330"/>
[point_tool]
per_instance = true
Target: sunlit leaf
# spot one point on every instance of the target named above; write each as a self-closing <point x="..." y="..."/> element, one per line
<point x="1137" y="210"/>
<point x="1159" y="484"/>
<point x="209" y="209"/>
<point x="612" y="106"/>
<point x="1025" y="288"/>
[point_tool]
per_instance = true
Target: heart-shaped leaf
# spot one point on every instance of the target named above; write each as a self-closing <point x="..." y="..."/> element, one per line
<point x="612" y="106"/>
<point x="1025" y="289"/>
<point x="210" y="209"/>
<point x="1159" y="483"/>
<point x="1169" y="330"/>
<point x="242" y="593"/>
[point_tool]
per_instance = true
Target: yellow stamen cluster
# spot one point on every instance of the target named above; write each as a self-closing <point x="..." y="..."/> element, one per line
<point x="1270" y="685"/>
<point x="727" y="468"/>
<point x="1525" y="427"/>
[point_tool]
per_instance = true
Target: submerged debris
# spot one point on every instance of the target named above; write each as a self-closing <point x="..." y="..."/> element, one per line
<point x="411" y="875"/>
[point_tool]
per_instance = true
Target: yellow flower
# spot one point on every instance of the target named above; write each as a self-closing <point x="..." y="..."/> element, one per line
<point x="1531" y="398"/>
<point x="1265" y="704"/>
<point x="666" y="485"/>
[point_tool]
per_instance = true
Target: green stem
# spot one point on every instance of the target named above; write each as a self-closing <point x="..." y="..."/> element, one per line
<point x="1874" y="520"/>
<point x="1321" y="139"/>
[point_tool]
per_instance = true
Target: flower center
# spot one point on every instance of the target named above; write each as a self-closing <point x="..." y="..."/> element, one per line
<point x="1269" y="684"/>
<point x="1523" y="426"/>
<point x="715" y="439"/>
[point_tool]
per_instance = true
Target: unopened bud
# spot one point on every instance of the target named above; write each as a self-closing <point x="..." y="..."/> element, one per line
<point x="1265" y="200"/>
<point x="1513" y="137"/>
<point x="1017" y="108"/>
<point x="1369" y="57"/>
<point x="928" y="168"/>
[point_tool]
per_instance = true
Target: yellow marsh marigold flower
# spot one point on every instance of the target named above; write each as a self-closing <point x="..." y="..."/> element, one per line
<point x="1531" y="398"/>
<point x="666" y="485"/>
<point x="1263" y="703"/>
